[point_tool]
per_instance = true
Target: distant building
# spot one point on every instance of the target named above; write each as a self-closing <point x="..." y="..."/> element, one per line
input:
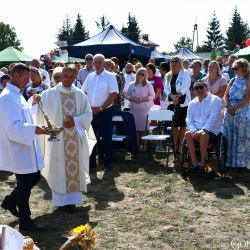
<point x="144" y="41"/>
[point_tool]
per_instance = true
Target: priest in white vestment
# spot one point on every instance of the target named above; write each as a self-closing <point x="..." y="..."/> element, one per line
<point x="67" y="161"/>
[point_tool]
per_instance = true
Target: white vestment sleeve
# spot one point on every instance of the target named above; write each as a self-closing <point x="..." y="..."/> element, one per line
<point x="80" y="130"/>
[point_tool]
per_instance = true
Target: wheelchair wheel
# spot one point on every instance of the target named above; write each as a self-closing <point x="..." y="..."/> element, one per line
<point x="221" y="154"/>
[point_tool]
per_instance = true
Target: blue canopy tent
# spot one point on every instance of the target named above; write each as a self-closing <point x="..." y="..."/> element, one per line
<point x="159" y="56"/>
<point x="110" y="43"/>
<point x="184" y="53"/>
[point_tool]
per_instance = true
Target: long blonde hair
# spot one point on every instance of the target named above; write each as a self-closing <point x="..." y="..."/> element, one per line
<point x="169" y="75"/>
<point x="142" y="71"/>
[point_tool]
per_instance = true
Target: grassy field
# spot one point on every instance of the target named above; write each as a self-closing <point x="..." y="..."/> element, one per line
<point x="144" y="205"/>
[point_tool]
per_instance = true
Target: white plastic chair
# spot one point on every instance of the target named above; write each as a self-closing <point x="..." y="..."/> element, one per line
<point x="159" y="116"/>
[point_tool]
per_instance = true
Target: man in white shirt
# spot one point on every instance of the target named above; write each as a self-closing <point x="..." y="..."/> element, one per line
<point x="129" y="75"/>
<point x="20" y="152"/>
<point x="88" y="68"/>
<point x="101" y="88"/>
<point x="203" y="122"/>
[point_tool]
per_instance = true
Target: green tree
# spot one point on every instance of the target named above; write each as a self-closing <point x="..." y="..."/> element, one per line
<point x="132" y="30"/>
<point x="66" y="32"/>
<point x="238" y="31"/>
<point x="79" y="32"/>
<point x="103" y="23"/>
<point x="8" y="37"/>
<point x="214" y="35"/>
<point x="184" y="42"/>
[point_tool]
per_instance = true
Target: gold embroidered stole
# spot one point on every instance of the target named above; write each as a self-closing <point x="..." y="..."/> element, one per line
<point x="71" y="150"/>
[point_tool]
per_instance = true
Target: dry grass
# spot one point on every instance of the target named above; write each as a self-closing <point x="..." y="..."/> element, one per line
<point x="145" y="205"/>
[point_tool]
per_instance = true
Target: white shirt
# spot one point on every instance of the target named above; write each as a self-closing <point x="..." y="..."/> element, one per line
<point x="205" y="114"/>
<point x="99" y="87"/>
<point x="128" y="79"/>
<point x="19" y="148"/>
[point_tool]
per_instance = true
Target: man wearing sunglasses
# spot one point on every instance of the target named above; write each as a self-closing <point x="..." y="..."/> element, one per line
<point x="87" y="69"/>
<point x="203" y="122"/>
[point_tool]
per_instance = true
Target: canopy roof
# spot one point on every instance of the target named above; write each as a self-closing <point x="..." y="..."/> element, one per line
<point x="110" y="43"/>
<point x="243" y="52"/>
<point x="13" y="55"/>
<point x="66" y="59"/>
<point x="157" y="55"/>
<point x="184" y="53"/>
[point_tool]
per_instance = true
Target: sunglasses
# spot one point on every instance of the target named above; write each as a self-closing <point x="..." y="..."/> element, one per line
<point x="236" y="68"/>
<point x="141" y="74"/>
<point x="88" y="58"/>
<point x="176" y="61"/>
<point x="199" y="87"/>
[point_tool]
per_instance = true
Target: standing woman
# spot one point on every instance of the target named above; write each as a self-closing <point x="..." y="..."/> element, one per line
<point x="216" y="82"/>
<point x="177" y="85"/>
<point x="237" y="116"/>
<point x="141" y="95"/>
<point x="156" y="82"/>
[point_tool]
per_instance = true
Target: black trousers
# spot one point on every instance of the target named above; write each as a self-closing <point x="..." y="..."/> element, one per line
<point x="102" y="126"/>
<point x="21" y="194"/>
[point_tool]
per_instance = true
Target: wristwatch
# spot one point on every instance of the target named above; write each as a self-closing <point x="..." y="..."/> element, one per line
<point x="101" y="109"/>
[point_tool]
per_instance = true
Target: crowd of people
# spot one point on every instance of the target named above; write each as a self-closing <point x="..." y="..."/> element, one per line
<point x="207" y="97"/>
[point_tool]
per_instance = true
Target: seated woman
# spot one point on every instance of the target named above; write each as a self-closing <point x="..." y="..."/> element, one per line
<point x="141" y="95"/>
<point x="37" y="85"/>
<point x="215" y="81"/>
<point x="237" y="116"/>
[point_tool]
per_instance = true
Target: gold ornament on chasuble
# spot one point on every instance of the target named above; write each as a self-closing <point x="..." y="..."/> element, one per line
<point x="71" y="150"/>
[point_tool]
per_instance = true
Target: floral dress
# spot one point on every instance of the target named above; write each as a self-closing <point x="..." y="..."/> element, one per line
<point x="237" y="128"/>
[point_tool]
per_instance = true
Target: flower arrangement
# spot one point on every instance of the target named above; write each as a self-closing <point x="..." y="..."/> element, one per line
<point x="83" y="236"/>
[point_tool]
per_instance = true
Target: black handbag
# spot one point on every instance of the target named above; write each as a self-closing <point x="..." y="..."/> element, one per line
<point x="181" y="99"/>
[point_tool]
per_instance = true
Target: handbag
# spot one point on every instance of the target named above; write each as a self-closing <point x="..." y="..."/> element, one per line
<point x="181" y="99"/>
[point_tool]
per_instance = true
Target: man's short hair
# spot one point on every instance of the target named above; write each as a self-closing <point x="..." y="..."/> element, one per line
<point x="89" y="56"/>
<point x="99" y="56"/>
<point x="20" y="68"/>
<point x="70" y="67"/>
<point x="197" y="62"/>
<point x="199" y="83"/>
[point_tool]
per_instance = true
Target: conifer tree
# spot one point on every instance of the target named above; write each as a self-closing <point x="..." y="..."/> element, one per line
<point x="132" y="30"/>
<point x="79" y="33"/>
<point x="238" y="31"/>
<point x="214" y="35"/>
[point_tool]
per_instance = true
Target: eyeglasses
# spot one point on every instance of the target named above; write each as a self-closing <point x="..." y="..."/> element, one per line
<point x="176" y="61"/>
<point x="141" y="74"/>
<point x="88" y="58"/>
<point x="199" y="87"/>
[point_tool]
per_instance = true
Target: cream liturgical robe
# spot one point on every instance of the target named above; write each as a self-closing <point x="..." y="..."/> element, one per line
<point x="67" y="161"/>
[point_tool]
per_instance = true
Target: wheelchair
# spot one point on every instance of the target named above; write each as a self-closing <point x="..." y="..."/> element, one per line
<point x="215" y="158"/>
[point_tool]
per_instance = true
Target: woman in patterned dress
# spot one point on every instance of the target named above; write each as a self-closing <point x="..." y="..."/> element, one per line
<point x="237" y="116"/>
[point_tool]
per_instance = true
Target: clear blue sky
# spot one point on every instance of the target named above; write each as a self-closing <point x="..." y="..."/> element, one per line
<point x="37" y="24"/>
